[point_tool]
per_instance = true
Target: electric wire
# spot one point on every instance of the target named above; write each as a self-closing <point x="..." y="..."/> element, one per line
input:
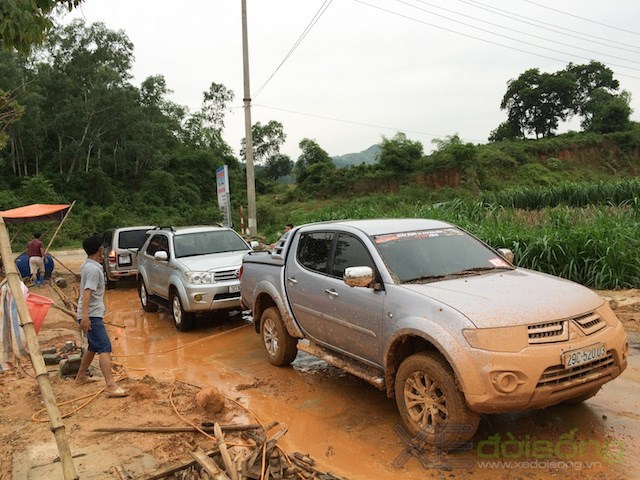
<point x="323" y="8"/>
<point x="582" y="18"/>
<point x="517" y="17"/>
<point x="480" y="38"/>
<point x="497" y="34"/>
<point x="432" y="135"/>
<point x="510" y="29"/>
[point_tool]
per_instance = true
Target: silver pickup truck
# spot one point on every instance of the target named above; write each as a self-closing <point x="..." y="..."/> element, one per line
<point x="439" y="320"/>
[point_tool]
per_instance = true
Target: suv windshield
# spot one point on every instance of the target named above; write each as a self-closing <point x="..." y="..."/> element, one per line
<point x="429" y="255"/>
<point x="132" y="238"/>
<point x="204" y="243"/>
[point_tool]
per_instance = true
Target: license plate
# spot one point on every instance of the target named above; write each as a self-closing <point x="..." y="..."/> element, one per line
<point x="234" y="288"/>
<point x="124" y="259"/>
<point x="583" y="355"/>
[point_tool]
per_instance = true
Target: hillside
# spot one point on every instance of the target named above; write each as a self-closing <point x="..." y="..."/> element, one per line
<point x="368" y="157"/>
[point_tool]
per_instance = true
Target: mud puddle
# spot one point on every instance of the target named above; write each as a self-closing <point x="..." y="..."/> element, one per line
<point x="350" y="427"/>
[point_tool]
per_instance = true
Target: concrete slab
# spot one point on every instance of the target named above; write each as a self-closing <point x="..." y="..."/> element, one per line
<point x="91" y="463"/>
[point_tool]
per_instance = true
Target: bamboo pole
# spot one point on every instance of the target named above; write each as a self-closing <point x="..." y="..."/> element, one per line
<point x="224" y="428"/>
<point x="59" y="225"/>
<point x="74" y="273"/>
<point x="42" y="376"/>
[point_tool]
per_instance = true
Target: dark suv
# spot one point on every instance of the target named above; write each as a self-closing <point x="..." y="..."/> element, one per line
<point x="120" y="248"/>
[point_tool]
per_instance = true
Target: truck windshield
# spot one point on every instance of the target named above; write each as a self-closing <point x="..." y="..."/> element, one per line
<point x="430" y="255"/>
<point x="205" y="243"/>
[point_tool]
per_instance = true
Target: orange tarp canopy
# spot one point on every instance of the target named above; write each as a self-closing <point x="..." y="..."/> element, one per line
<point x="35" y="213"/>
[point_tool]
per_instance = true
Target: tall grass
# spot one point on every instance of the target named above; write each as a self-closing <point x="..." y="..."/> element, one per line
<point x="572" y="194"/>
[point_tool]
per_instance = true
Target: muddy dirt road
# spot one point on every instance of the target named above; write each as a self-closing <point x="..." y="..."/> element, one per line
<point x="349" y="427"/>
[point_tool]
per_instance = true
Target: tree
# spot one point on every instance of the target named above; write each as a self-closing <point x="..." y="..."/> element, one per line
<point x="204" y="128"/>
<point x="312" y="154"/>
<point x="26" y="22"/>
<point x="399" y="154"/>
<point x="507" y="130"/>
<point x="277" y="166"/>
<point x="536" y="102"/>
<point x="452" y="152"/>
<point x="606" y="113"/>
<point x="588" y="78"/>
<point x="267" y="140"/>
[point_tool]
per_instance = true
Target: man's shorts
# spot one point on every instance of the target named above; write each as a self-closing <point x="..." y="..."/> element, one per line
<point x="35" y="264"/>
<point x="97" y="337"/>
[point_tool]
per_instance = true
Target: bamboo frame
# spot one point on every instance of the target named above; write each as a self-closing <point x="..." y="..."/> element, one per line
<point x="42" y="376"/>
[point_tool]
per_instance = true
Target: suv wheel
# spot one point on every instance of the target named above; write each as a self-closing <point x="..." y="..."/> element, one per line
<point x="182" y="320"/>
<point x="108" y="284"/>
<point x="430" y="402"/>
<point x="147" y="306"/>
<point x="279" y="345"/>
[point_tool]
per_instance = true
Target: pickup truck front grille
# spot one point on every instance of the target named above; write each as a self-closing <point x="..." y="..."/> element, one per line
<point x="563" y="377"/>
<point x="548" y="332"/>
<point x="558" y="330"/>
<point x="226" y="275"/>
<point x="590" y="323"/>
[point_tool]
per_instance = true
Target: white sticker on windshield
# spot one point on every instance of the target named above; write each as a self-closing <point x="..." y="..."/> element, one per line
<point x="392" y="237"/>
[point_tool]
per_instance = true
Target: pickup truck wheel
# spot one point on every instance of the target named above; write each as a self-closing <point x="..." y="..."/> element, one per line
<point x="147" y="306"/>
<point x="182" y="320"/>
<point x="430" y="402"/>
<point x="279" y="345"/>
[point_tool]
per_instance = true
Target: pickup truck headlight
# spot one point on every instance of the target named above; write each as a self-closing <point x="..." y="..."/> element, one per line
<point x="199" y="278"/>
<point x="501" y="339"/>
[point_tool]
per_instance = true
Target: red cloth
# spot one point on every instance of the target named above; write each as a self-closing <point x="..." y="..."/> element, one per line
<point x="34" y="248"/>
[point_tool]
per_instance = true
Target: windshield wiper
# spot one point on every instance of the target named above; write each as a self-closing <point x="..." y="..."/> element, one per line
<point x="480" y="269"/>
<point x="430" y="278"/>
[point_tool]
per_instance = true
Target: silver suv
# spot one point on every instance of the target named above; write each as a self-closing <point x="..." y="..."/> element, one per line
<point x="189" y="270"/>
<point x="120" y="248"/>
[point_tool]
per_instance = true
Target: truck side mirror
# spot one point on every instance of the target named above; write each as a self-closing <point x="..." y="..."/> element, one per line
<point x="253" y="244"/>
<point x="358" y="276"/>
<point x="506" y="254"/>
<point x="161" y="255"/>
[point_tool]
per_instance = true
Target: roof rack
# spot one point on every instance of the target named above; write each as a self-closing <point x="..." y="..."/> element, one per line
<point x="165" y="227"/>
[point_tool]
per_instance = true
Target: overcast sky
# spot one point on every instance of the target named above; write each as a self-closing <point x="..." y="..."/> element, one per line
<point x="368" y="68"/>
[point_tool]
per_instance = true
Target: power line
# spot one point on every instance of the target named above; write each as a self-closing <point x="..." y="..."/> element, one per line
<point x="505" y="36"/>
<point x="314" y="20"/>
<point x="582" y="18"/>
<point x="511" y="29"/>
<point x="351" y="122"/>
<point x="484" y="39"/>
<point x="514" y="16"/>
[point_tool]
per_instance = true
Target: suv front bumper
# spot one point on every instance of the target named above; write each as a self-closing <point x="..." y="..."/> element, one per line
<point x="204" y="298"/>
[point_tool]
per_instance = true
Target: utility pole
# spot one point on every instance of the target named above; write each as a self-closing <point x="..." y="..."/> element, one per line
<point x="251" y="183"/>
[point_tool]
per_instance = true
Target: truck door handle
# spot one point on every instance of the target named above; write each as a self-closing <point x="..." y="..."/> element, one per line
<point x="292" y="280"/>
<point x="331" y="292"/>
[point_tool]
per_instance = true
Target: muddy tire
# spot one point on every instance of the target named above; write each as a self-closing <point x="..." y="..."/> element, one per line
<point x="581" y="398"/>
<point x="147" y="305"/>
<point x="281" y="347"/>
<point x="431" y="404"/>
<point x="181" y="319"/>
<point x="108" y="284"/>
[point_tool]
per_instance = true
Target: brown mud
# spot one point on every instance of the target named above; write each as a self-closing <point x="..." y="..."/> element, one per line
<point x="349" y="427"/>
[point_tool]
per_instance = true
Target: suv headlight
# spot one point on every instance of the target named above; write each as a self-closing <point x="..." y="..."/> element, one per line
<point x="199" y="278"/>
